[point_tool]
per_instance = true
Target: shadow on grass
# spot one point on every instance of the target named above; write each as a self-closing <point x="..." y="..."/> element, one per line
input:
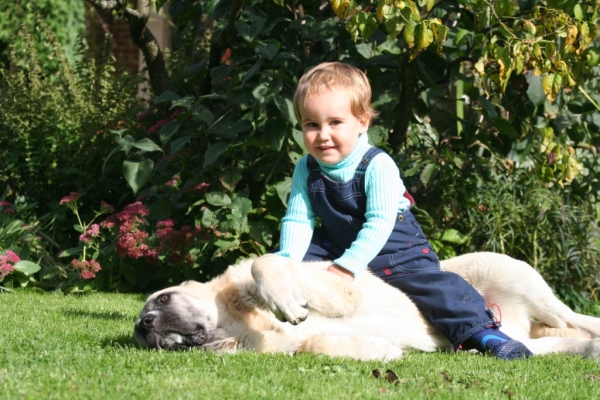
<point x="121" y="342"/>
<point x="105" y="315"/>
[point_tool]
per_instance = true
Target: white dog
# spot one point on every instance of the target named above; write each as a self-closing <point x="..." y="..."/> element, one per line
<point x="247" y="306"/>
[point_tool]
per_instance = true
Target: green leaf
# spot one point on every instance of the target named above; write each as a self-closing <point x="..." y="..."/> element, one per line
<point x="230" y="178"/>
<point x="253" y="70"/>
<point x="267" y="52"/>
<point x="286" y="107"/>
<point x="126" y="142"/>
<point x="209" y="218"/>
<point x="454" y="236"/>
<point x="166" y="97"/>
<point x="283" y="189"/>
<point x="260" y="232"/>
<point x="409" y="33"/>
<point x="504" y="127"/>
<point x="219" y="199"/>
<point x="27" y="267"/>
<point x="429" y="173"/>
<point x="535" y="92"/>
<point x="213" y="152"/>
<point x="147" y="145"/>
<point x="70" y="252"/>
<point x="13" y="227"/>
<point x="205" y="116"/>
<point x="578" y="12"/>
<point x="180" y="143"/>
<point x="240" y="207"/>
<point x="168" y="130"/>
<point x="137" y="173"/>
<point x="488" y="107"/>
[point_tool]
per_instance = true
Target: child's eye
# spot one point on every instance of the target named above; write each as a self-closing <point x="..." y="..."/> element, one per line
<point x="336" y="122"/>
<point x="311" y="125"/>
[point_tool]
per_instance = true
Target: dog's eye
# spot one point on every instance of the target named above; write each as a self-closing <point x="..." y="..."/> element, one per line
<point x="164" y="298"/>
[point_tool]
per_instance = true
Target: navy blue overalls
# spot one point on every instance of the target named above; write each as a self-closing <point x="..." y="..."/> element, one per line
<point x="407" y="261"/>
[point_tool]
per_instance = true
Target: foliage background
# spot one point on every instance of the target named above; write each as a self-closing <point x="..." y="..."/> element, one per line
<point x="495" y="129"/>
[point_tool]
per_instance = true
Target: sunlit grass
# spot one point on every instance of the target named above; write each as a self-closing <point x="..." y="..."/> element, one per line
<point x="72" y="347"/>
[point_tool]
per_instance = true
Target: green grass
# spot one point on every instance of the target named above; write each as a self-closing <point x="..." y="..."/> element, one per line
<point x="81" y="347"/>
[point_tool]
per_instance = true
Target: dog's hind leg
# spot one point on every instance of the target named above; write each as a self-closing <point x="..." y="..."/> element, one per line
<point x="359" y="347"/>
<point x="262" y="342"/>
<point x="587" y="348"/>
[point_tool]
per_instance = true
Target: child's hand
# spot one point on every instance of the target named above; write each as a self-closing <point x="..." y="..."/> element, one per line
<point x="341" y="272"/>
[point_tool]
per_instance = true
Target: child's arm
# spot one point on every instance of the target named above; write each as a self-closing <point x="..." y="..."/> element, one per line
<point x="384" y="189"/>
<point x="298" y="224"/>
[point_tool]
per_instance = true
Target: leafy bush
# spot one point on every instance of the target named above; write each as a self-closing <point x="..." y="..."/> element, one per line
<point x="18" y="242"/>
<point x="496" y="154"/>
<point x="56" y="131"/>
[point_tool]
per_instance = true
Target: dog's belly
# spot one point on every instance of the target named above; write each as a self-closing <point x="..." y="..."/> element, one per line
<point x="402" y="329"/>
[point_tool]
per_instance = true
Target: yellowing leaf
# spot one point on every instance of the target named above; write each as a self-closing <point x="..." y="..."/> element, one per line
<point x="571" y="35"/>
<point x="551" y="83"/>
<point x="409" y="33"/>
<point x="343" y="8"/>
<point x="423" y="38"/>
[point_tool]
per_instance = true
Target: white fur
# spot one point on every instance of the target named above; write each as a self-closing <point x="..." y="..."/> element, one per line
<point x="247" y="306"/>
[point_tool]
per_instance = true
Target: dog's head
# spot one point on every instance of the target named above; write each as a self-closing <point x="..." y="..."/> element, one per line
<point x="179" y="317"/>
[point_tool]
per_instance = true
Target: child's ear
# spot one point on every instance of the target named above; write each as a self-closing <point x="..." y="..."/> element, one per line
<point x="365" y="121"/>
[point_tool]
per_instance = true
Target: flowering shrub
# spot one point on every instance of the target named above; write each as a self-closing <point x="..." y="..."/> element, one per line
<point x="7" y="263"/>
<point x="16" y="237"/>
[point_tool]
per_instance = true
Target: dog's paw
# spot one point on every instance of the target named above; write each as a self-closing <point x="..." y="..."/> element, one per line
<point x="278" y="290"/>
<point x="285" y="305"/>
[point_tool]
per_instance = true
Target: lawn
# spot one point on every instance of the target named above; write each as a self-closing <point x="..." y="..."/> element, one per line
<point x="81" y="347"/>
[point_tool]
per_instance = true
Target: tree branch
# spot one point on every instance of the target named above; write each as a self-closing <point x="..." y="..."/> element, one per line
<point x="408" y="96"/>
<point x="143" y="39"/>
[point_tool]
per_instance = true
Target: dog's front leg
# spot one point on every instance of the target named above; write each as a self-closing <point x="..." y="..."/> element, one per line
<point x="278" y="290"/>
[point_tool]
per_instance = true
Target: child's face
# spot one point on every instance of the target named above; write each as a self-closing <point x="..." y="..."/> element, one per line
<point x="330" y="129"/>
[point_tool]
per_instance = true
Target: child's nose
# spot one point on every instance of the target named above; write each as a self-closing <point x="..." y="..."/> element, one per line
<point x="324" y="133"/>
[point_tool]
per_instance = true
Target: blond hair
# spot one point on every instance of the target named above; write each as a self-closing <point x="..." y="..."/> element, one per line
<point x="336" y="77"/>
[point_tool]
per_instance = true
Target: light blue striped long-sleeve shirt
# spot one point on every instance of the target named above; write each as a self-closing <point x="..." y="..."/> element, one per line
<point x="385" y="198"/>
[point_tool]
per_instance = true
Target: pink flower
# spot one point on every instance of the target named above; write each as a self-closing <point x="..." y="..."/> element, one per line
<point x="85" y="238"/>
<point x="7" y="261"/>
<point x="158" y="126"/>
<point x="4" y="203"/>
<point x="173" y="182"/>
<point x="12" y="256"/>
<point x="8" y="211"/>
<point x="71" y="198"/>
<point x="176" y="244"/>
<point x="143" y="115"/>
<point x="87" y="269"/>
<point x="94" y="230"/>
<point x="167" y="223"/>
<point x="201" y="187"/>
<point x="132" y="240"/>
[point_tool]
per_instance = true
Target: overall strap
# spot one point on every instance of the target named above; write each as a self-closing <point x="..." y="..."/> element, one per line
<point x="362" y="167"/>
<point x="312" y="164"/>
<point x="366" y="160"/>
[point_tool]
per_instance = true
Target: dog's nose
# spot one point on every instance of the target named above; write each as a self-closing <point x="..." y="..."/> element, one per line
<point x="147" y="321"/>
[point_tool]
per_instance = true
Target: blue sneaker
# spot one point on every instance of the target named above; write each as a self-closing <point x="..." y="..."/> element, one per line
<point x="511" y="350"/>
<point x="493" y="341"/>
